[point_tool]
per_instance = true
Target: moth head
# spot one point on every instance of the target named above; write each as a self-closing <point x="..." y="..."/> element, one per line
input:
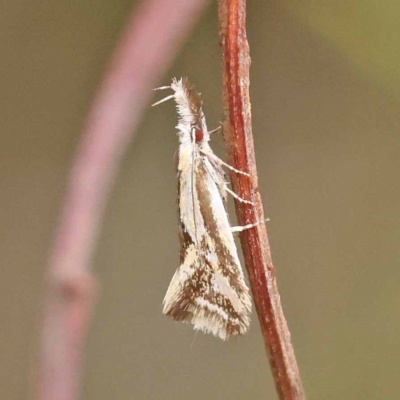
<point x="191" y="120"/>
<point x="200" y="134"/>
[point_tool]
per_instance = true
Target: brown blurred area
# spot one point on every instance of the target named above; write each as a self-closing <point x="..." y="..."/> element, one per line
<point x="327" y="146"/>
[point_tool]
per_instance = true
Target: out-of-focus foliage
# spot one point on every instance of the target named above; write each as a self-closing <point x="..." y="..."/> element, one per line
<point x="366" y="31"/>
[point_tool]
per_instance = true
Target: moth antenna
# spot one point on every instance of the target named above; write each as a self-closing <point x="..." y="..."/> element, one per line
<point x="163" y="100"/>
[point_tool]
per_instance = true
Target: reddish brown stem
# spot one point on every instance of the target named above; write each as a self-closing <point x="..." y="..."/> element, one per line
<point x="148" y="45"/>
<point x="256" y="250"/>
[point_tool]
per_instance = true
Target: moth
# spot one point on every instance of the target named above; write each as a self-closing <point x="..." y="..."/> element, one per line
<point x="208" y="289"/>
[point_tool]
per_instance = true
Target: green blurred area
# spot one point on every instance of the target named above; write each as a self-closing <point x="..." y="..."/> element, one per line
<point x="366" y="31"/>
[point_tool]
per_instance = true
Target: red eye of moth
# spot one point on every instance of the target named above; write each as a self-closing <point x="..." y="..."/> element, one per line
<point x="199" y="135"/>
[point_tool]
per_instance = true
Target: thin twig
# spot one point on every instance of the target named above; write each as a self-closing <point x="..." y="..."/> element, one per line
<point x="256" y="250"/>
<point x="147" y="48"/>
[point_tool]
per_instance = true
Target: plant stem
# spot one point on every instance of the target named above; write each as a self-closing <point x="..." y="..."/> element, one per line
<point x="256" y="249"/>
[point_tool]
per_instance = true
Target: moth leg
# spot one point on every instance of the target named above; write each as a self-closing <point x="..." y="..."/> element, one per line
<point x="233" y="194"/>
<point x="245" y="227"/>
<point x="215" y="130"/>
<point x="223" y="183"/>
<point x="219" y="161"/>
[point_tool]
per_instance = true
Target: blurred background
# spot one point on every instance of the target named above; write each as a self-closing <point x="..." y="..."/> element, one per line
<point x="325" y="86"/>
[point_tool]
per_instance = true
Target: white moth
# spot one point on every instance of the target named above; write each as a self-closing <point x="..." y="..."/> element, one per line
<point x="208" y="289"/>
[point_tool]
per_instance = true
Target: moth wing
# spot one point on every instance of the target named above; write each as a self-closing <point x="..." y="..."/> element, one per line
<point x="208" y="289"/>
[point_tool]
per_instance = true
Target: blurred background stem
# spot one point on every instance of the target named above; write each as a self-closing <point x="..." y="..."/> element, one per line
<point x="146" y="49"/>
